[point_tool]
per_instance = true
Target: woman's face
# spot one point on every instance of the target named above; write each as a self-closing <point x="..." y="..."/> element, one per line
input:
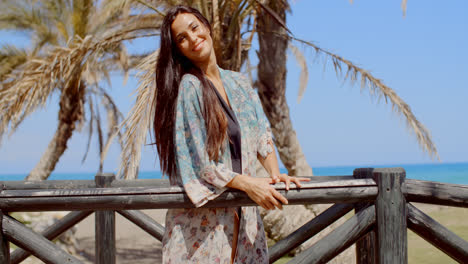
<point x="192" y="38"/>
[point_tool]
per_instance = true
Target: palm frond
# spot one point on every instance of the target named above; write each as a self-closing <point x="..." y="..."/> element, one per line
<point x="377" y="88"/>
<point x="150" y="6"/>
<point x="100" y="136"/>
<point x="403" y="6"/>
<point x="25" y="90"/>
<point x="114" y="117"/>
<point x="10" y="58"/>
<point x="137" y="123"/>
<point x="90" y="128"/>
<point x="304" y="77"/>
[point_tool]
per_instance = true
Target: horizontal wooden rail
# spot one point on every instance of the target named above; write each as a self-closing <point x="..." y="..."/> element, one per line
<point x="436" y="193"/>
<point x="85" y="184"/>
<point x="437" y="235"/>
<point x="79" y="184"/>
<point x="341" y="191"/>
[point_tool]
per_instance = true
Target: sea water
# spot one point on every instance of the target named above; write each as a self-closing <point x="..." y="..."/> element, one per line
<point x="456" y="173"/>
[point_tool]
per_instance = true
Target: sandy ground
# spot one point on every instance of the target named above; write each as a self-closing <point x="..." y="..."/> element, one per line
<point x="133" y="244"/>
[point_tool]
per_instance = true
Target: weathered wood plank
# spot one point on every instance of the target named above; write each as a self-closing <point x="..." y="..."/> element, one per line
<point x="436" y="193"/>
<point x="84" y="184"/>
<point x="390" y="206"/>
<point x="4" y="244"/>
<point x="436" y="234"/>
<point x="80" y="184"/>
<point x="35" y="243"/>
<point x="366" y="247"/>
<point x="229" y="198"/>
<point x="48" y="184"/>
<point x="174" y="189"/>
<point x="308" y="230"/>
<point x="52" y="232"/>
<point x="105" y="227"/>
<point x="339" y="239"/>
<point x="144" y="222"/>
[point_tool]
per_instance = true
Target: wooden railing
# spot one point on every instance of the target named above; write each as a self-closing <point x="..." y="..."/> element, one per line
<point x="380" y="197"/>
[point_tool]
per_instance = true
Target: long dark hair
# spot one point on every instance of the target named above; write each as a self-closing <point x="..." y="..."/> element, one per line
<point x="170" y="67"/>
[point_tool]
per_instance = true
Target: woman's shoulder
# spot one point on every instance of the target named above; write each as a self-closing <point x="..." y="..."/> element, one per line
<point x="238" y="78"/>
<point x="189" y="85"/>
<point x="233" y="74"/>
<point x="189" y="79"/>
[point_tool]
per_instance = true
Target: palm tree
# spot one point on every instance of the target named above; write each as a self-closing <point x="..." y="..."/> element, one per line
<point x="274" y="40"/>
<point x="75" y="44"/>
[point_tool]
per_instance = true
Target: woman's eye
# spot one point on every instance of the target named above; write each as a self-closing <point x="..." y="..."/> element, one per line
<point x="180" y="39"/>
<point x="194" y="27"/>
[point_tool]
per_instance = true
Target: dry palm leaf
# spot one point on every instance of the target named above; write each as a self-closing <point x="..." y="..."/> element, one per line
<point x="138" y="121"/>
<point x="377" y="88"/>
<point x="304" y="77"/>
<point x="24" y="91"/>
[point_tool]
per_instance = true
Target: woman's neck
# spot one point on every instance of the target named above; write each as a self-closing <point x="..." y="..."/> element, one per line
<point x="212" y="72"/>
<point x="210" y="68"/>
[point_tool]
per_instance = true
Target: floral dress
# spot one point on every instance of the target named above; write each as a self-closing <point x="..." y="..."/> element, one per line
<point x="205" y="235"/>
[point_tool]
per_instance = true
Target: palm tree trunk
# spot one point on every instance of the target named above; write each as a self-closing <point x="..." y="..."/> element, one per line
<point x="71" y="111"/>
<point x="271" y="86"/>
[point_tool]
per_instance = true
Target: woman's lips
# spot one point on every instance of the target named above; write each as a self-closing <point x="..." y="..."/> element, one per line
<point x="198" y="46"/>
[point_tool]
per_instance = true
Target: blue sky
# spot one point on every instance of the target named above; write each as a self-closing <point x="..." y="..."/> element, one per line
<point x="422" y="56"/>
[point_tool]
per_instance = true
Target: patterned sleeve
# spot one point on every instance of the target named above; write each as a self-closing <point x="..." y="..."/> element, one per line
<point x="203" y="179"/>
<point x="265" y="141"/>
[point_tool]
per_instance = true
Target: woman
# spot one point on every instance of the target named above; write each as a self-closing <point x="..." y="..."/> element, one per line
<point x="210" y="129"/>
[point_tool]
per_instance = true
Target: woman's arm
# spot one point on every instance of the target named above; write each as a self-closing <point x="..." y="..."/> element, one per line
<point x="270" y="163"/>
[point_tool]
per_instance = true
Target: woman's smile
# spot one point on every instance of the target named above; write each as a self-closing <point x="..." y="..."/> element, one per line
<point x="198" y="46"/>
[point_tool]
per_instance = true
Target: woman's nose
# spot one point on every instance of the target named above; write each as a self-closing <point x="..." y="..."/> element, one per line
<point x="192" y="37"/>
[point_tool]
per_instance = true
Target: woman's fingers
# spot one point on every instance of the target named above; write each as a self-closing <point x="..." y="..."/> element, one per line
<point x="279" y="197"/>
<point x="287" y="181"/>
<point x="297" y="181"/>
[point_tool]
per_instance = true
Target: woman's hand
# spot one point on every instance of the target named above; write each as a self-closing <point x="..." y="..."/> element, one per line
<point x="288" y="179"/>
<point x="259" y="190"/>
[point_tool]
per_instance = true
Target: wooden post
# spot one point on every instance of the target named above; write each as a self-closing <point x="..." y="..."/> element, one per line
<point x="4" y="244"/>
<point x="104" y="226"/>
<point x="391" y="214"/>
<point x="366" y="247"/>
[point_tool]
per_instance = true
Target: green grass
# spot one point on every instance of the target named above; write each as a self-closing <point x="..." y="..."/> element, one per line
<point x="283" y="260"/>
<point x="420" y="251"/>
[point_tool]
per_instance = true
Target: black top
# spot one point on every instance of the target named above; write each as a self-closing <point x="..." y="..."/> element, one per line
<point x="234" y="133"/>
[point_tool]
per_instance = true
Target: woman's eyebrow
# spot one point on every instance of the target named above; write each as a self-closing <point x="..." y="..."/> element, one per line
<point x="189" y="26"/>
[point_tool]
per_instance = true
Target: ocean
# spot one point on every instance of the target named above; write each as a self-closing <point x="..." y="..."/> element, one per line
<point x="456" y="173"/>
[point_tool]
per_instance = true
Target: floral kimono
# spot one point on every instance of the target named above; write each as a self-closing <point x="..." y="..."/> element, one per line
<point x="205" y="235"/>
